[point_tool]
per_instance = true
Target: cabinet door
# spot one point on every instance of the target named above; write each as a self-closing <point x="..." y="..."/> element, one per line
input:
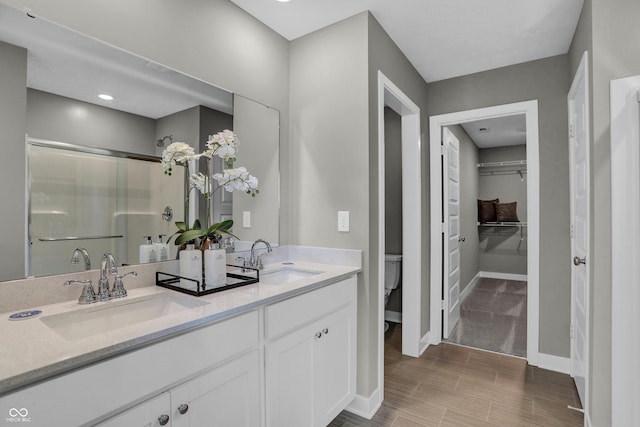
<point x="226" y="396"/>
<point x="335" y="365"/>
<point x="289" y="379"/>
<point x="152" y="413"/>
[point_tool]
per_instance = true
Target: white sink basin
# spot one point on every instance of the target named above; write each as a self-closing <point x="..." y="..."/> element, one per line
<point x="286" y="275"/>
<point x="112" y="315"/>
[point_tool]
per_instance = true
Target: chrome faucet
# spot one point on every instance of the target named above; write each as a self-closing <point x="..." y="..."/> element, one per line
<point x="257" y="261"/>
<point x="107" y="266"/>
<point x="75" y="258"/>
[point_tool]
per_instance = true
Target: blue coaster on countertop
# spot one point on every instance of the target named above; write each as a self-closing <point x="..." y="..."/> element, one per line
<point x="25" y="315"/>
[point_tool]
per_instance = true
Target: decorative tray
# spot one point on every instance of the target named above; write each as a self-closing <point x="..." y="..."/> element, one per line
<point x="238" y="277"/>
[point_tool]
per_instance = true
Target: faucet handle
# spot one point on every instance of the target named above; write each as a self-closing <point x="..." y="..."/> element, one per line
<point x="245" y="263"/>
<point x="88" y="295"/>
<point x="259" y="263"/>
<point x="118" y="290"/>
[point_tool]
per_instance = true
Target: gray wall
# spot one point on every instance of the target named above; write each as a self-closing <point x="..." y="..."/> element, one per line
<point x="393" y="194"/>
<point x="329" y="148"/>
<point x="57" y="118"/>
<point x="385" y="56"/>
<point x="470" y="248"/>
<point x="503" y="249"/>
<point x="546" y="80"/>
<point x="609" y="31"/>
<point x="13" y="116"/>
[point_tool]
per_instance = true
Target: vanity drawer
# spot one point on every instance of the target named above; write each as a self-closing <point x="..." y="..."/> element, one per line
<point x="294" y="312"/>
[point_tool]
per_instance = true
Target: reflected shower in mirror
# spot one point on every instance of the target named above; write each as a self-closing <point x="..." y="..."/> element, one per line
<point x="152" y="106"/>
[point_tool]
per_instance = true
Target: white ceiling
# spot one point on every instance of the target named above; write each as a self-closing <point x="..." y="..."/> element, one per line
<point x="498" y="131"/>
<point x="441" y="38"/>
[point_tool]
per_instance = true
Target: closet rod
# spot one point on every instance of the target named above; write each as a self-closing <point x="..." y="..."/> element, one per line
<point x="498" y="164"/>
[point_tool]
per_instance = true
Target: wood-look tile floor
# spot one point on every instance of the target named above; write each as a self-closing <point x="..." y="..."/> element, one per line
<point x="451" y="385"/>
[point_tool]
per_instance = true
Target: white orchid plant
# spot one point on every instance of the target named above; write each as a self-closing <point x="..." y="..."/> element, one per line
<point x="225" y="146"/>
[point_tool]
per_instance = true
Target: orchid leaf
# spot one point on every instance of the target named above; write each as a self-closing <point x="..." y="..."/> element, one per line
<point x="189" y="235"/>
<point x="182" y="226"/>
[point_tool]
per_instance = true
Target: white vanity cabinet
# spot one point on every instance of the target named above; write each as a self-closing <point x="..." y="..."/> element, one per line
<point x="226" y="353"/>
<point x="226" y="396"/>
<point x="152" y="413"/>
<point x="311" y="356"/>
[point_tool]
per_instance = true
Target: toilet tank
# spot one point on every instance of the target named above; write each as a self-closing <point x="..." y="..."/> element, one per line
<point x="392" y="269"/>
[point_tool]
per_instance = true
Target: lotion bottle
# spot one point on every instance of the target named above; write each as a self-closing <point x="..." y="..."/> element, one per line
<point x="215" y="266"/>
<point x="191" y="267"/>
<point x="162" y="248"/>
<point x="148" y="252"/>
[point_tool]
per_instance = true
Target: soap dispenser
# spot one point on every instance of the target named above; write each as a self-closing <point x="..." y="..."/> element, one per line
<point x="148" y="251"/>
<point x="162" y="248"/>
<point x="215" y="266"/>
<point x="191" y="267"/>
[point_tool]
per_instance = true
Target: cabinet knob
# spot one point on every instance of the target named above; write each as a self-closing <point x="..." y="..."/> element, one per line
<point x="183" y="408"/>
<point x="325" y="331"/>
<point x="318" y="334"/>
<point x="163" y="419"/>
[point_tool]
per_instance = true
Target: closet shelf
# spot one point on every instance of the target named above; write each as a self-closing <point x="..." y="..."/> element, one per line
<point x="502" y="164"/>
<point x="502" y="224"/>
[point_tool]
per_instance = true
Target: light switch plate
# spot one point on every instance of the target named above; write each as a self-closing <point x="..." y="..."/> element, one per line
<point x="343" y="221"/>
<point x="246" y="219"/>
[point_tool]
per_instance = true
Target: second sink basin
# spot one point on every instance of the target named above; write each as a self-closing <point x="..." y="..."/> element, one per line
<point x="112" y="315"/>
<point x="286" y="275"/>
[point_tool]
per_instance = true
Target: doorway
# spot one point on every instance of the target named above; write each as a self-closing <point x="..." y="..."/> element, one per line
<point x="439" y="276"/>
<point x="390" y="96"/>
<point x="485" y="212"/>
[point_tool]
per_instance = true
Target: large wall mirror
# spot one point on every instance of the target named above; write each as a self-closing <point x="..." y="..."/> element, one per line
<point x="95" y="178"/>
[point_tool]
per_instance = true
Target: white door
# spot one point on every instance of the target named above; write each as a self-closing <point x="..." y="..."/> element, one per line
<point x="579" y="193"/>
<point x="451" y="194"/>
<point x="226" y="396"/>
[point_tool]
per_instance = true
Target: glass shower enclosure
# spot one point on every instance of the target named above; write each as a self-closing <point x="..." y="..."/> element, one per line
<point x="101" y="200"/>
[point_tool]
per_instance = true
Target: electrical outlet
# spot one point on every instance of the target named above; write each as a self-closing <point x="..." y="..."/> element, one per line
<point x="246" y="219"/>
<point x="343" y="221"/>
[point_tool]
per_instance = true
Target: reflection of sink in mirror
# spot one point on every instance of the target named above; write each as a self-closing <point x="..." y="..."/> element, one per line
<point x="83" y="323"/>
<point x="286" y="275"/>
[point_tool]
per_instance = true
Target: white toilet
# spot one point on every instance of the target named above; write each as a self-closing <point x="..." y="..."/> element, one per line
<point x="392" y="270"/>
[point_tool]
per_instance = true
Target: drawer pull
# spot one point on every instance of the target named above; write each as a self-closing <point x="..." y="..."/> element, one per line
<point x="163" y="419"/>
<point x="183" y="408"/>
<point x="318" y="334"/>
<point x="325" y="331"/>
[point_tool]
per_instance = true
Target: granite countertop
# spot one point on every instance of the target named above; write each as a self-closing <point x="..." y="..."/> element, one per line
<point x="32" y="351"/>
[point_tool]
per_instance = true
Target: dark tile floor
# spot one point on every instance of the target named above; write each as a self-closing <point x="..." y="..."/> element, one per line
<point x="450" y="385"/>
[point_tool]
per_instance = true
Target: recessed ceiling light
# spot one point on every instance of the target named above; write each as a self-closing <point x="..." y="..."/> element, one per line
<point x="283" y="1"/>
<point x="105" y="97"/>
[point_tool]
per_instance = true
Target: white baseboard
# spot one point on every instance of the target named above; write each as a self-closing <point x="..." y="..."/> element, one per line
<point x="554" y="363"/>
<point x="587" y="420"/>
<point x="365" y="406"/>
<point x="393" y="316"/>
<point x="504" y="276"/>
<point x="424" y="343"/>
<point x="464" y="294"/>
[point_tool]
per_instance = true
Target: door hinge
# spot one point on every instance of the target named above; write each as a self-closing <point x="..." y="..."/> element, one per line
<point x="442" y="305"/>
<point x="571" y="131"/>
<point x="572" y="333"/>
<point x="442" y="151"/>
<point x="442" y="227"/>
<point x="572" y="233"/>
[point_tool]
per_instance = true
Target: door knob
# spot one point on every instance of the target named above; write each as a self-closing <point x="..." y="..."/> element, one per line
<point x="461" y="239"/>
<point x="183" y="408"/>
<point x="163" y="419"/>
<point x="577" y="260"/>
